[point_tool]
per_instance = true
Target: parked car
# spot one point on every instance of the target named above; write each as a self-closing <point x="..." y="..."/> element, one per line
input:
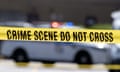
<point x="53" y="51"/>
<point x="115" y="51"/>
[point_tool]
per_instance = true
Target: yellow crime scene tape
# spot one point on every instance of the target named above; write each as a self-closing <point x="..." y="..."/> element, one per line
<point x="61" y="35"/>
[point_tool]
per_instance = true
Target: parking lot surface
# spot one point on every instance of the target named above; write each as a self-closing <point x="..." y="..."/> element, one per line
<point x="10" y="66"/>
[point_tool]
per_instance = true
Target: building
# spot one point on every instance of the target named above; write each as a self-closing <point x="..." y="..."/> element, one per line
<point x="74" y="10"/>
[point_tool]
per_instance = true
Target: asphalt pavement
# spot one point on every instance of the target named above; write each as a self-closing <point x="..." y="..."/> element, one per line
<point x="10" y="66"/>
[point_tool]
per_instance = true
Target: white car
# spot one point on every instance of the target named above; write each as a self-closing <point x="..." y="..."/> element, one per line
<point x="50" y="52"/>
<point x="115" y="52"/>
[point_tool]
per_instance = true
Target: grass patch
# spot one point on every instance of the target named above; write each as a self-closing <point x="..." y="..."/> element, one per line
<point x="99" y="26"/>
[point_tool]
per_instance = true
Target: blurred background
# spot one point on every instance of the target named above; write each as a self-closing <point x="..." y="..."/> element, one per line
<point x="89" y="14"/>
<point x="78" y="11"/>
